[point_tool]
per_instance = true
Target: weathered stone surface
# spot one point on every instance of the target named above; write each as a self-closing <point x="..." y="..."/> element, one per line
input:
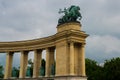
<point x="69" y="42"/>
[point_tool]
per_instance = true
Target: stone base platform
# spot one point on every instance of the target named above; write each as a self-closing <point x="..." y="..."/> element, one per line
<point x="52" y="78"/>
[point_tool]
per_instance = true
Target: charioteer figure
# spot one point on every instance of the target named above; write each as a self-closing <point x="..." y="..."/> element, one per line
<point x="71" y="14"/>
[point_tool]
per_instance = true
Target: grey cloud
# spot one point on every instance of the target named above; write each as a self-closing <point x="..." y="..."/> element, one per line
<point x="29" y="19"/>
<point x="102" y="47"/>
<point x="100" y="18"/>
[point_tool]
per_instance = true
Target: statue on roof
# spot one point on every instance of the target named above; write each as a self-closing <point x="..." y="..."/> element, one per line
<point x="70" y="14"/>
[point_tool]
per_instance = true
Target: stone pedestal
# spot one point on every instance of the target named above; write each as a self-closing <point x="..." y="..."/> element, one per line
<point x="53" y="78"/>
<point x="69" y="26"/>
<point x="70" y="55"/>
<point x="70" y="78"/>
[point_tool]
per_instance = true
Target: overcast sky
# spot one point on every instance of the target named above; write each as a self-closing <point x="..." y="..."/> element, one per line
<point x="31" y="19"/>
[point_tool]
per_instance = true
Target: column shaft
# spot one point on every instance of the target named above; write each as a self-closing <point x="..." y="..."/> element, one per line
<point x="82" y="60"/>
<point x="8" y="67"/>
<point x="62" y="59"/>
<point x="23" y="64"/>
<point x="47" y="73"/>
<point x="72" y="59"/>
<point x="37" y="62"/>
<point x="49" y="60"/>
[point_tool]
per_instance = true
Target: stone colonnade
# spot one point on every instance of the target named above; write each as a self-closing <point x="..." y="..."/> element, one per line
<point x="24" y="62"/>
<point x="69" y="43"/>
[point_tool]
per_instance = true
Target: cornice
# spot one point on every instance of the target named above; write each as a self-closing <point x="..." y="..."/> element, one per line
<point x="42" y="43"/>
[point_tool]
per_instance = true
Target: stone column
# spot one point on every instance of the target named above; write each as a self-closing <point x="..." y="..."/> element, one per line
<point x="37" y="63"/>
<point x="8" y="67"/>
<point x="72" y="59"/>
<point x="23" y="64"/>
<point x="62" y="59"/>
<point x="47" y="70"/>
<point x="82" y="60"/>
<point x="49" y="61"/>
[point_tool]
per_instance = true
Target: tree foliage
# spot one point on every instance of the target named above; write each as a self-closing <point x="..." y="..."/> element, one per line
<point x="110" y="70"/>
<point x="93" y="70"/>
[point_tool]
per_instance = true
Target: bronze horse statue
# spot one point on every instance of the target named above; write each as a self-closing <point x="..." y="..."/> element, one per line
<point x="70" y="14"/>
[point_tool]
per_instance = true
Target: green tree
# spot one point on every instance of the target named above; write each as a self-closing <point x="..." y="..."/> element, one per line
<point x="93" y="71"/>
<point x="112" y="69"/>
<point x="1" y="71"/>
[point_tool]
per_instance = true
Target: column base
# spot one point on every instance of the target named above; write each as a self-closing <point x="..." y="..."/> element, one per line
<point x="70" y="78"/>
<point x="52" y="78"/>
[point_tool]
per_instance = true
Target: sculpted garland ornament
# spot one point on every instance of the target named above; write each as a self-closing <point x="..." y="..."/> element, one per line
<point x="70" y="14"/>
